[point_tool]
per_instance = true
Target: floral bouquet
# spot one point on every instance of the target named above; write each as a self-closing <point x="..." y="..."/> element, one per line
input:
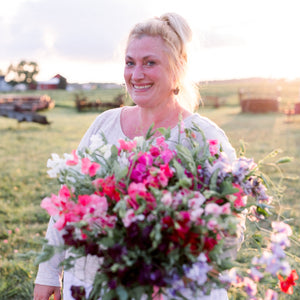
<point x="162" y="221"/>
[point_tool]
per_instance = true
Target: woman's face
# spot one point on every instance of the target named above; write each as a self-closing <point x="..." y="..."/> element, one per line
<point x="147" y="72"/>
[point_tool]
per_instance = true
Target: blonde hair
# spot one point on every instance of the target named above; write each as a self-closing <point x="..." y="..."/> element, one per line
<point x="176" y="33"/>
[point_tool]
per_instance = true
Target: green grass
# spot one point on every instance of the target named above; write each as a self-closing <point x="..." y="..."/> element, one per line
<point x="25" y="148"/>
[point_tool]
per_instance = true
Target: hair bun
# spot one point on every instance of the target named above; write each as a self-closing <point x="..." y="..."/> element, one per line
<point x="179" y="26"/>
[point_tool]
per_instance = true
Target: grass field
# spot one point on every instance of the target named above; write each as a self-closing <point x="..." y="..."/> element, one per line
<point x="25" y="148"/>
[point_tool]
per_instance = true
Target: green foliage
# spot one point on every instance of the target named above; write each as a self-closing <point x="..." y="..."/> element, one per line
<point x="23" y="72"/>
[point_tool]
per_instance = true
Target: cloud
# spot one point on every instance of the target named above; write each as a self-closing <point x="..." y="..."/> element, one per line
<point x="89" y="29"/>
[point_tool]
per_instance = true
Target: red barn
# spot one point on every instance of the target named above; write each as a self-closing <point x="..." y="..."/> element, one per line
<point x="57" y="82"/>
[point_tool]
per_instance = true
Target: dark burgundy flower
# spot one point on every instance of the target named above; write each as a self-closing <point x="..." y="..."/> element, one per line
<point x="117" y="252"/>
<point x="112" y="284"/>
<point x="78" y="292"/>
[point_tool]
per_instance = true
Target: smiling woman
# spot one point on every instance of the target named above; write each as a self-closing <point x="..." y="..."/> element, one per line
<point x="156" y="61"/>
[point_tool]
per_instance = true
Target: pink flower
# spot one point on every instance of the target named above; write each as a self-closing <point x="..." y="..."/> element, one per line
<point x="225" y="209"/>
<point x="271" y="295"/>
<point x="197" y="200"/>
<point x="213" y="147"/>
<point x="167" y="198"/>
<point x="49" y="205"/>
<point x="160" y="141"/>
<point x="127" y="145"/>
<point x="167" y="155"/>
<point x="129" y="218"/>
<point x="238" y="198"/>
<point x="282" y="227"/>
<point x="212" y="224"/>
<point x="250" y="286"/>
<point x="255" y="274"/>
<point x="87" y="167"/>
<point x="64" y="192"/>
<point x="215" y="209"/>
<point x="74" y="161"/>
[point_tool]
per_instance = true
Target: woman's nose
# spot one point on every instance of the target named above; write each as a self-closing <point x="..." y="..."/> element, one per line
<point x="138" y="73"/>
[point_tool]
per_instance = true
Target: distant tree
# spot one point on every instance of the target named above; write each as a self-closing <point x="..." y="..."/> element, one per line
<point x="24" y="72"/>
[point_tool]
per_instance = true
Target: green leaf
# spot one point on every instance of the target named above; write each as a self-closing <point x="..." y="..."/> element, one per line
<point x="208" y="194"/>
<point x="284" y="160"/>
<point x="114" y="151"/>
<point x="119" y="172"/>
<point x="262" y="211"/>
<point x="150" y="132"/>
<point x="213" y="180"/>
<point x="227" y="188"/>
<point x="122" y="293"/>
<point x="166" y="132"/>
<point x="186" y="157"/>
<point x="46" y="254"/>
<point x="179" y="169"/>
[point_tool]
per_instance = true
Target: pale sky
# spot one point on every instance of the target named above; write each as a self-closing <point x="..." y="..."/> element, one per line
<point x="83" y="40"/>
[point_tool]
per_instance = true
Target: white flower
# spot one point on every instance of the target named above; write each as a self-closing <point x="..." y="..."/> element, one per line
<point x="56" y="164"/>
<point x="140" y="140"/>
<point x="96" y="142"/>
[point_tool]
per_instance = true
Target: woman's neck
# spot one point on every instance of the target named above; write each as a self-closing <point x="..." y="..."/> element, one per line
<point x="137" y="120"/>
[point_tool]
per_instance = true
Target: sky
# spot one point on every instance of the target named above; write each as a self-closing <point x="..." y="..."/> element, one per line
<point x="83" y="40"/>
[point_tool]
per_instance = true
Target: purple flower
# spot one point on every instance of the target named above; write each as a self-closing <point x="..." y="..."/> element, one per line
<point x="241" y="167"/>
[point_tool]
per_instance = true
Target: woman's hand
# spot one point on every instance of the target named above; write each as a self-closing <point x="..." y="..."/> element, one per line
<point x="43" y="292"/>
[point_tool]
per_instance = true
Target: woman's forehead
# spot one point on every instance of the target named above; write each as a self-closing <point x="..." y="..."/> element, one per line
<point x="146" y="46"/>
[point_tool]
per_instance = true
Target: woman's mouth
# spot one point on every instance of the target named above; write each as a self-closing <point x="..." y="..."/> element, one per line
<point x="142" y="87"/>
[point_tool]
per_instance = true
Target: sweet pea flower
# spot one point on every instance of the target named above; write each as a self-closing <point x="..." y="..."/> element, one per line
<point x="250" y="286"/>
<point x="213" y="147"/>
<point x="238" y="198"/>
<point x="127" y="145"/>
<point x="282" y="227"/>
<point x="130" y="217"/>
<point x="271" y="295"/>
<point x="74" y="161"/>
<point x="89" y="168"/>
<point x="167" y="198"/>
<point x="212" y="224"/>
<point x="56" y="164"/>
<point x="215" y="209"/>
<point x="196" y="201"/>
<point x="286" y="285"/>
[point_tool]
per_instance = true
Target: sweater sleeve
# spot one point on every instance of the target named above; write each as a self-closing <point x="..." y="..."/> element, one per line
<point x="50" y="272"/>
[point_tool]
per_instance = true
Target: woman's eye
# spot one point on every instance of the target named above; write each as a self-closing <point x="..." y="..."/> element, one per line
<point x="129" y="63"/>
<point x="150" y="63"/>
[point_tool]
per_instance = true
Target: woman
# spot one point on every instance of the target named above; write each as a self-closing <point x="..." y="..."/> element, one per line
<point x="155" y="73"/>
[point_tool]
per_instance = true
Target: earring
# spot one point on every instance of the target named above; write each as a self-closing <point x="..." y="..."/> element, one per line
<point x="176" y="91"/>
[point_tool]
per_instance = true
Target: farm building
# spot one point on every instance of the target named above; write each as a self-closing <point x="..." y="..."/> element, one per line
<point x="57" y="82"/>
